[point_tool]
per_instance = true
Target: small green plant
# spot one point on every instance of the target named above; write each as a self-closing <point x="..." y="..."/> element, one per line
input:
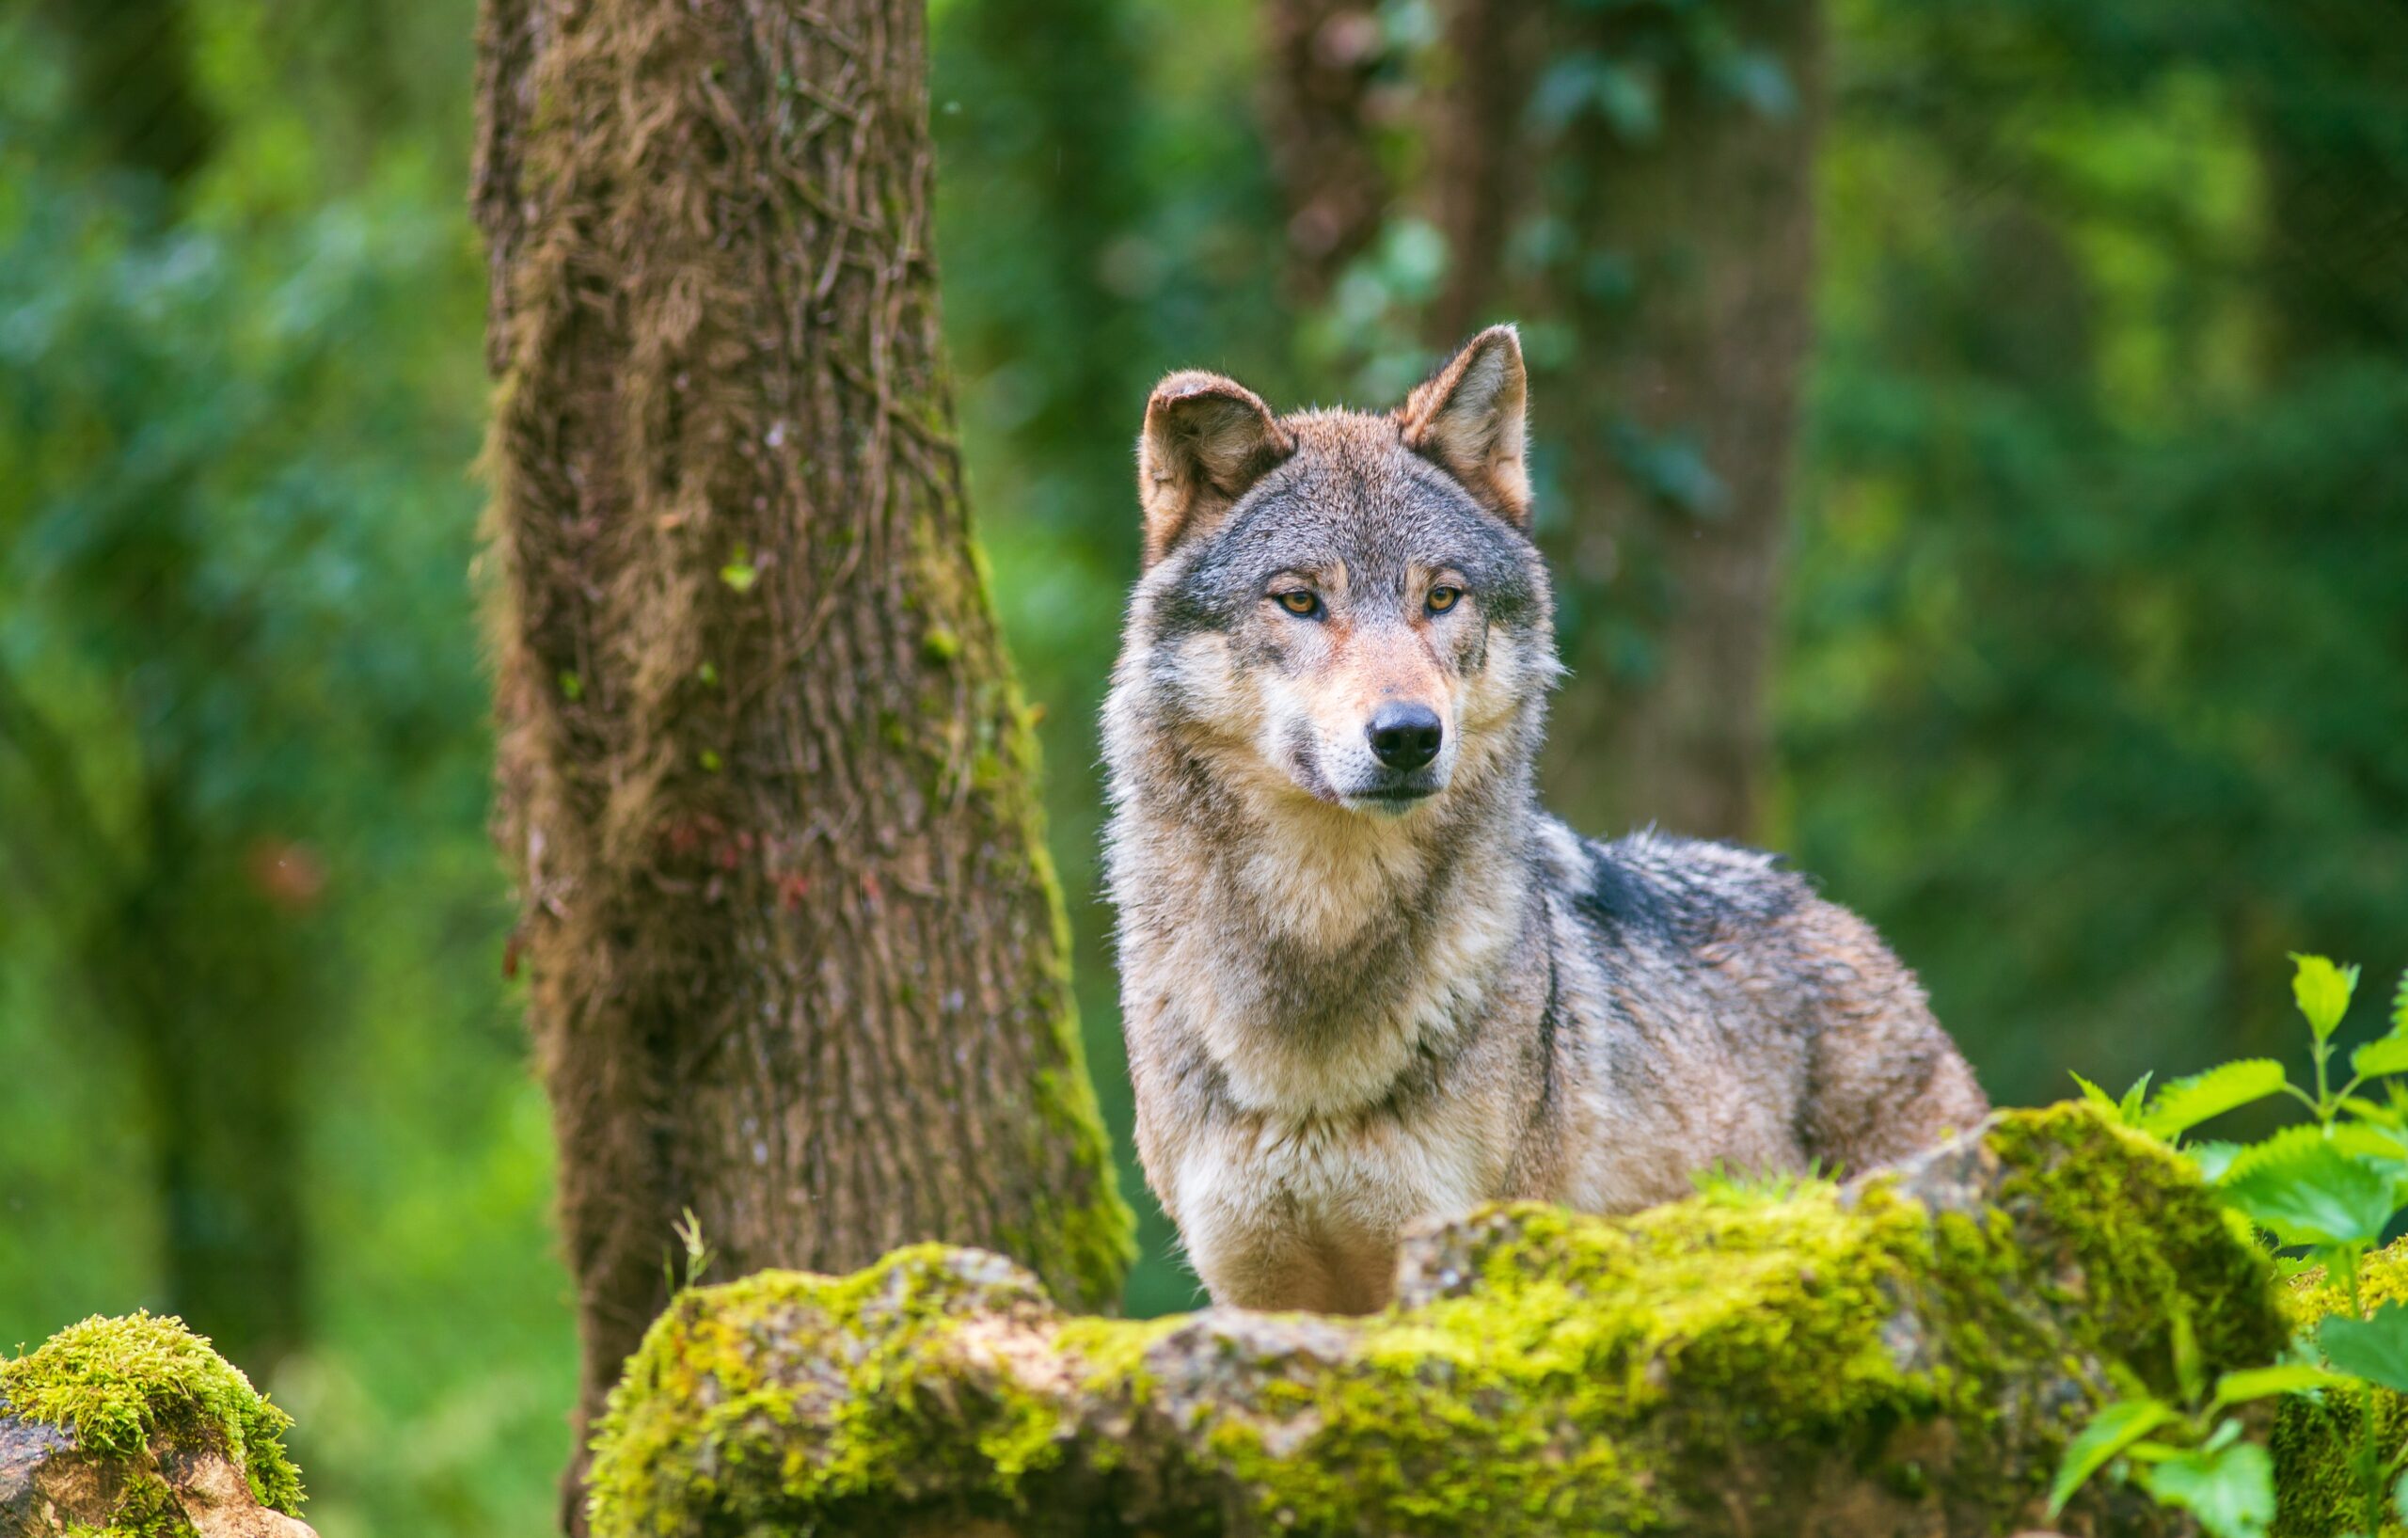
<point x="2322" y="1192"/>
<point x="689" y="1230"/>
<point x="1726" y="1187"/>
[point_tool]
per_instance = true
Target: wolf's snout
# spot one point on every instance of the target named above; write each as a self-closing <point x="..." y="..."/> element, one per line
<point x="1405" y="737"/>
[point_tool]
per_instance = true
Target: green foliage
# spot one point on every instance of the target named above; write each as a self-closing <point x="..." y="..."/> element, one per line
<point x="2228" y="1484"/>
<point x="2090" y="695"/>
<point x="2184" y="1103"/>
<point x="2374" y="1348"/>
<point x="2327" y="1189"/>
<point x="237" y="419"/>
<point x="118" y="1383"/>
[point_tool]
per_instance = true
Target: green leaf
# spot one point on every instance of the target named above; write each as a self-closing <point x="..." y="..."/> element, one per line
<point x="2190" y="1372"/>
<point x="2212" y="1158"/>
<point x="2323" y="990"/>
<point x="2134" y="1098"/>
<point x="2266" y="1382"/>
<point x="2374" y="1348"/>
<point x="2230" y="1488"/>
<point x="2386" y="1054"/>
<point x="2186" y="1103"/>
<point x="2312" y="1194"/>
<point x="2291" y="1144"/>
<point x="739" y="574"/>
<point x="2093" y="1095"/>
<point x="2399" y="1498"/>
<point x="2110" y="1431"/>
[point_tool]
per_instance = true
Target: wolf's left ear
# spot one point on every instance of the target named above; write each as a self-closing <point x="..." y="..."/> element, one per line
<point x="1206" y="439"/>
<point x="1467" y="418"/>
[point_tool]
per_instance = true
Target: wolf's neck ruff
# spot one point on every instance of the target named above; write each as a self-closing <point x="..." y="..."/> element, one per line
<point x="1315" y="957"/>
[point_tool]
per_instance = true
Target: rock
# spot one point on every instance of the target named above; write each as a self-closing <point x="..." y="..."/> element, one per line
<point x="1905" y="1354"/>
<point x="135" y="1428"/>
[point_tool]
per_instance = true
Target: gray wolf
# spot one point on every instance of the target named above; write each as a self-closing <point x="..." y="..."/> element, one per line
<point x="1365" y="978"/>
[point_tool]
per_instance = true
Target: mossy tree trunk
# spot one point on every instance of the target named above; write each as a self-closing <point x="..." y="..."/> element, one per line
<point x="1671" y="308"/>
<point x="796" y="960"/>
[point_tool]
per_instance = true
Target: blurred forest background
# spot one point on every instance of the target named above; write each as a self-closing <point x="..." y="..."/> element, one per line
<point x="2089" y="648"/>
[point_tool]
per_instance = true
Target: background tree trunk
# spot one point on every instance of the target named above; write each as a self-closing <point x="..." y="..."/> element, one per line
<point x="797" y="957"/>
<point x="1319" y="61"/>
<point x="1671" y="321"/>
<point x="192" y="941"/>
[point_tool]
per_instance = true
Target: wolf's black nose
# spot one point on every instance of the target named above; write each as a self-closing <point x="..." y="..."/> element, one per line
<point x="1406" y="737"/>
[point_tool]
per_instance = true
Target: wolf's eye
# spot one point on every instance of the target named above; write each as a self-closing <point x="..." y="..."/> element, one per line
<point x="1443" y="599"/>
<point x="1299" y="601"/>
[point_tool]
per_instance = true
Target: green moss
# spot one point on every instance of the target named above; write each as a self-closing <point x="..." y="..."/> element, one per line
<point x="1558" y="1372"/>
<point x="2136" y="1240"/>
<point x="116" y="1384"/>
<point x="146" y="1509"/>
<point x="703" y="1418"/>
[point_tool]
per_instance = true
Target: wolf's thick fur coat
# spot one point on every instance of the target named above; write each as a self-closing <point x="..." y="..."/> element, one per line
<point x="1355" y="997"/>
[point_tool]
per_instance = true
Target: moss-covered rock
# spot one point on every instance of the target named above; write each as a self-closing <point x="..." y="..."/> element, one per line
<point x="1905" y="1354"/>
<point x="135" y="1428"/>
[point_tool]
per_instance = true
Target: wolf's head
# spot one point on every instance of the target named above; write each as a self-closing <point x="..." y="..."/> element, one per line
<point x="1341" y="605"/>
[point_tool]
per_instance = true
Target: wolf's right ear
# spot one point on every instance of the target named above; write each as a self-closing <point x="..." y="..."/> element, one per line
<point x="1468" y="417"/>
<point x="1206" y="439"/>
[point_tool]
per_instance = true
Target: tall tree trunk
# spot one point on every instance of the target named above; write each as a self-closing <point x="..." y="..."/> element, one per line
<point x="201" y="966"/>
<point x="1321" y="57"/>
<point x="1480" y="164"/>
<point x="186" y="947"/>
<point x="1682" y="300"/>
<point x="797" y="955"/>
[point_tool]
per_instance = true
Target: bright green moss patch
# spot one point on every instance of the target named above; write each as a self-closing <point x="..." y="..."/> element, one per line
<point x="1933" y="1337"/>
<point x="115" y="1384"/>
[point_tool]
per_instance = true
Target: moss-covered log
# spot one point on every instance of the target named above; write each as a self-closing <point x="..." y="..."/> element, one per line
<point x="135" y="1428"/>
<point x="1906" y="1354"/>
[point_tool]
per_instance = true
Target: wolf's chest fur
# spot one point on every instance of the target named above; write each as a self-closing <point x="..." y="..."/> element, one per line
<point x="1324" y="1049"/>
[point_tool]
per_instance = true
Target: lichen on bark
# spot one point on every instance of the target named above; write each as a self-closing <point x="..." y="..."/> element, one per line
<point x="1906" y="1353"/>
<point x="133" y="1427"/>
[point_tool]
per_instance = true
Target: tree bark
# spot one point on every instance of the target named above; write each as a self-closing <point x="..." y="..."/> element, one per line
<point x="1479" y="180"/>
<point x="796" y="955"/>
<point x="1318" y="119"/>
<point x="1906" y="1354"/>
<point x="1682" y="300"/>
